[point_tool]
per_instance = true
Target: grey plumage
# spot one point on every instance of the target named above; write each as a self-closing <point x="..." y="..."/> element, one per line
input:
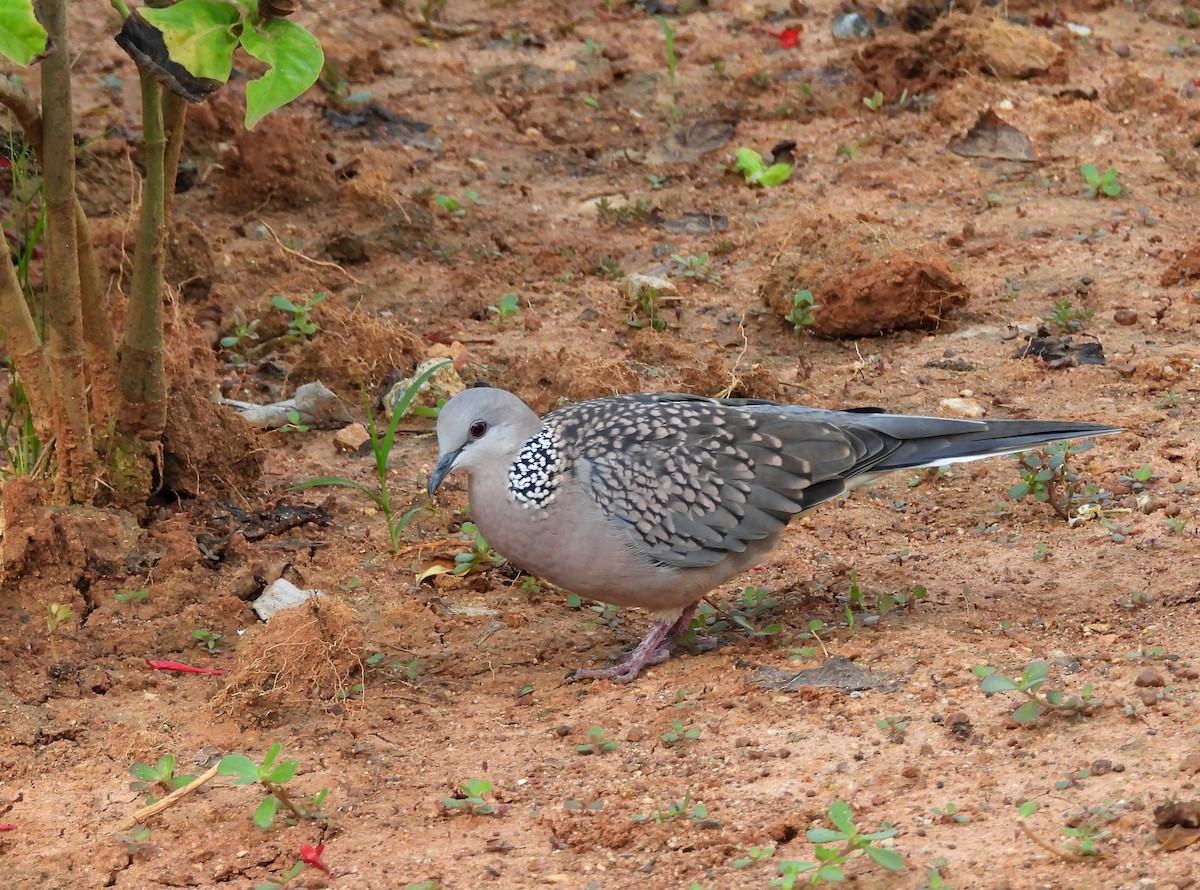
<point x="653" y="500"/>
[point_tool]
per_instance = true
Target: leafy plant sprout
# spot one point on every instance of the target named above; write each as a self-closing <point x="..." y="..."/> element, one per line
<point x="273" y="777"/>
<point x="1107" y="183"/>
<point x="159" y="778"/>
<point x="1029" y="684"/>
<point x="469" y="797"/>
<point x="301" y="327"/>
<point x="508" y="306"/>
<point x="596" y="743"/>
<point x="801" y="313"/>
<point x="381" y="448"/>
<point x="208" y="640"/>
<point x="669" y="40"/>
<point x="1067" y="318"/>
<point x="697" y="267"/>
<point x="829" y="861"/>
<point x="1047" y="476"/>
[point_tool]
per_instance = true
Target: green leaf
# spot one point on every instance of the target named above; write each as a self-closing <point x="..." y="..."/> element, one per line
<point x="1036" y="671"/>
<point x="1090" y="173"/>
<point x="283" y="773"/>
<point x="264" y="816"/>
<point x="776" y="174"/>
<point x="144" y="772"/>
<point x="889" y="859"/>
<point x="1027" y="809"/>
<point x="199" y="34"/>
<point x="22" y="36"/>
<point x="271" y="754"/>
<point x="842" y="816"/>
<point x="997" y="683"/>
<point x="243" y="770"/>
<point x="824" y="835"/>
<point x="831" y="873"/>
<point x="294" y="59"/>
<point x="1028" y="712"/>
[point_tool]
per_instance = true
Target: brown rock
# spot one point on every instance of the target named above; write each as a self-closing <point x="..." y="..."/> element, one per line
<point x="1190" y="764"/>
<point x="1149" y="677"/>
<point x="1125" y="317"/>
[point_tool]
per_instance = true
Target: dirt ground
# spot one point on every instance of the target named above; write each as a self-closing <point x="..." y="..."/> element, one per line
<point x="575" y="162"/>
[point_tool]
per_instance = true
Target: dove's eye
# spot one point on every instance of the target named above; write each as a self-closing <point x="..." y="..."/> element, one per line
<point x="478" y="428"/>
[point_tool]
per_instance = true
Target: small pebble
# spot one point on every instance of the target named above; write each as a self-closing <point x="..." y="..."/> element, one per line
<point x="1125" y="317"/>
<point x="743" y="742"/>
<point x="1190" y="764"/>
<point x="911" y="772"/>
<point x="635" y="734"/>
<point x="1122" y="50"/>
<point x="1149" y="677"/>
<point x="1101" y="767"/>
<point x="851" y="26"/>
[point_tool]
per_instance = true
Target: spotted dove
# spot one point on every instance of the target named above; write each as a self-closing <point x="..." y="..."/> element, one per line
<point x="654" y="500"/>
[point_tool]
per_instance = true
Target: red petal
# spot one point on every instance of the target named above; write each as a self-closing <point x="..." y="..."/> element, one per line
<point x="310" y="855"/>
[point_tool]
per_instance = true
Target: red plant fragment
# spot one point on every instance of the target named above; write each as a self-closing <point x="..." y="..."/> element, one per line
<point x="310" y="855"/>
<point x="7" y="827"/>
<point x="789" y="38"/>
<point x="163" y="665"/>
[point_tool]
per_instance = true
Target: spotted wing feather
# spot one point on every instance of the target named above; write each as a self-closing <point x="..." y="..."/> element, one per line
<point x="694" y="479"/>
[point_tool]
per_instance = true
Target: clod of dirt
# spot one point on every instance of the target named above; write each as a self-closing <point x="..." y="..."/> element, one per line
<point x="57" y="545"/>
<point x="991" y="137"/>
<point x="282" y="161"/>
<point x="865" y="281"/>
<point x="206" y="447"/>
<point x="690" y="144"/>
<point x="312" y="653"/>
<point x="189" y="263"/>
<point x="1185" y="268"/>
<point x="981" y="44"/>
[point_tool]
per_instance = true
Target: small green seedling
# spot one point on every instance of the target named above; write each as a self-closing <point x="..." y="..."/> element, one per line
<point x="756" y="172"/>
<point x="381" y="448"/>
<point x="244" y="332"/>
<point x="875" y="102"/>
<point x="596" y="743"/>
<point x="678" y="735"/>
<point x="893" y="728"/>
<point x="454" y="207"/>
<point x="1030" y="684"/>
<point x="468" y="797"/>
<point x="1067" y="318"/>
<point x="1097" y="183"/>
<point x="697" y="267"/>
<point x="208" y="640"/>
<point x="801" y="313"/>
<point x="295" y="424"/>
<point x="301" y="327"/>
<point x="508" y="306"/>
<point x="272" y="776"/>
<point x="129" y="595"/>
<point x="746" y="615"/>
<point x="1047" y="476"/>
<point x="57" y="616"/>
<point x="136" y="838"/>
<point x="578" y="806"/>
<point x="950" y="813"/>
<point x="283" y="880"/>
<point x="669" y="40"/>
<point x="697" y="813"/>
<point x="754" y="856"/>
<point x="159" y="778"/>
<point x="480" y="557"/>
<point x="828" y="863"/>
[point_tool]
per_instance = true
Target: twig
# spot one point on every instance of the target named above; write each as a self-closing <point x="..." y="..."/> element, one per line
<point x="307" y="259"/>
<point x="169" y="801"/>
<point x="1047" y="846"/>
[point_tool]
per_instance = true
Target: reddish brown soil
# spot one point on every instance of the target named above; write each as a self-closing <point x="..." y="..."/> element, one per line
<point x="541" y="125"/>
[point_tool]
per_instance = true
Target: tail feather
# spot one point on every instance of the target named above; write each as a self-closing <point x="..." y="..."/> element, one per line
<point x="927" y="443"/>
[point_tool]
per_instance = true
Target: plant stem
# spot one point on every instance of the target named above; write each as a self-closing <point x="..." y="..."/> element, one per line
<point x="141" y="374"/>
<point x="64" y="328"/>
<point x="282" y="797"/>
